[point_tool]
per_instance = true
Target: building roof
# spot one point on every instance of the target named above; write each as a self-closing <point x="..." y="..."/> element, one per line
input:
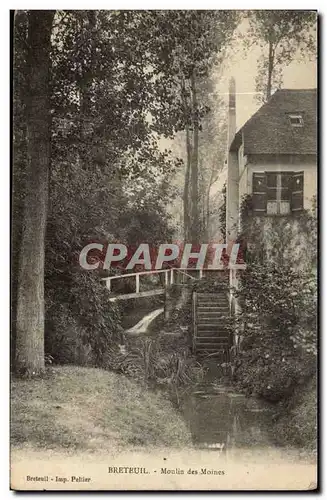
<point x="269" y="130"/>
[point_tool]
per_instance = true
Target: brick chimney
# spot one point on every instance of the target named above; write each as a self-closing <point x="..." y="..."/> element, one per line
<point x="232" y="188"/>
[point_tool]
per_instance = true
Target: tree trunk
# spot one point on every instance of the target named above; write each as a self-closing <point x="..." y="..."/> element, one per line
<point x="204" y="225"/>
<point x="207" y="212"/>
<point x="186" y="191"/>
<point x="270" y="70"/>
<point x="29" y="359"/>
<point x="212" y="179"/>
<point x="195" y="227"/>
<point x="186" y="200"/>
<point x="19" y="28"/>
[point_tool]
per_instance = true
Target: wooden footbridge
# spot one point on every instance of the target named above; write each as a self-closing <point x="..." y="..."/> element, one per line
<point x="145" y="283"/>
<point x="210" y="335"/>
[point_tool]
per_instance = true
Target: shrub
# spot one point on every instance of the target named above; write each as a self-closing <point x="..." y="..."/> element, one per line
<point x="297" y="424"/>
<point x="81" y="323"/>
<point x="156" y="362"/>
<point x="212" y="284"/>
<point x="278" y="327"/>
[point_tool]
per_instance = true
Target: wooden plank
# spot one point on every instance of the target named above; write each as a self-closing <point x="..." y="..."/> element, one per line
<point x="129" y="275"/>
<point x="172" y="276"/>
<point x="127" y="296"/>
<point x="178" y="269"/>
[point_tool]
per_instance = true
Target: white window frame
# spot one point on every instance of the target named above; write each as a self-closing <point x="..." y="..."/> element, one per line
<point x="279" y="195"/>
<point x="296" y="116"/>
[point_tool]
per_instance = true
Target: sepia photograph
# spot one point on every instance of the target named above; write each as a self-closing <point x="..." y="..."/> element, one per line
<point x="164" y="275"/>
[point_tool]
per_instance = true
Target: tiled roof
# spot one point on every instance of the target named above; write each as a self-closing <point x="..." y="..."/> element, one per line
<point x="269" y="130"/>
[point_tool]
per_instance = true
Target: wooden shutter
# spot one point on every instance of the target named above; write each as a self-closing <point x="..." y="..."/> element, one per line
<point x="297" y="192"/>
<point x="286" y="183"/>
<point x="259" y="193"/>
<point x="272" y="193"/>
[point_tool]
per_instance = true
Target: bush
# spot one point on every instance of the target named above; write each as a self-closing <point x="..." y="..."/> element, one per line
<point x="81" y="324"/>
<point x="272" y="373"/>
<point x="278" y="328"/>
<point x="297" y="425"/>
<point x="212" y="284"/>
<point x="157" y="362"/>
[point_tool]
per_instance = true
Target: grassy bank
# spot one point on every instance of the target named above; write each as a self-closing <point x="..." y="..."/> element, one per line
<point x="91" y="409"/>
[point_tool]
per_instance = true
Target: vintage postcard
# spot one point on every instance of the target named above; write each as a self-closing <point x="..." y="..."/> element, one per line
<point x="164" y="250"/>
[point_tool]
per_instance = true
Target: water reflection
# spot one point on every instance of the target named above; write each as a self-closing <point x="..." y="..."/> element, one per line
<point x="220" y="419"/>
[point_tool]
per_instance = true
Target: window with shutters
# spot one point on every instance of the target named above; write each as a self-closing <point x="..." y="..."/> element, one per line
<point x="277" y="193"/>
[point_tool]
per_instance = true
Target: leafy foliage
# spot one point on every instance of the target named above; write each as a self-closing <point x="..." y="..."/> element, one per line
<point x="104" y="159"/>
<point x="116" y="89"/>
<point x="222" y="213"/>
<point x="297" y="423"/>
<point x="154" y="362"/>
<point x="290" y="240"/>
<point x="281" y="35"/>
<point x="117" y="85"/>
<point x="278" y="327"/>
<point x="184" y="64"/>
<point x="277" y="295"/>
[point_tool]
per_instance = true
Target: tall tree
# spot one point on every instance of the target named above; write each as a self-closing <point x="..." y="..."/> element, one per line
<point x="19" y="153"/>
<point x="281" y="34"/>
<point x="30" y="294"/>
<point x="104" y="158"/>
<point x="182" y="61"/>
<point x="115" y="89"/>
<point x="212" y="149"/>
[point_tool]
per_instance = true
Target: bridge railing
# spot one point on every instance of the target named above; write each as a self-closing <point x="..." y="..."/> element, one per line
<point x="170" y="275"/>
<point x="167" y="272"/>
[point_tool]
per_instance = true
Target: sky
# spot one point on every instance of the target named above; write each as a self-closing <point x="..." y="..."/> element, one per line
<point x="243" y="67"/>
<point x="298" y="75"/>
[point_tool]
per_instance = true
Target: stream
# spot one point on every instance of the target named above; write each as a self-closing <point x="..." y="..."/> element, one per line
<point x="143" y="325"/>
<point x="219" y="418"/>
